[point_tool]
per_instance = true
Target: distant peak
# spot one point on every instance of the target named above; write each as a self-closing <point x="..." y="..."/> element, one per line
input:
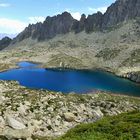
<point x="66" y="13"/>
<point x="6" y="38"/>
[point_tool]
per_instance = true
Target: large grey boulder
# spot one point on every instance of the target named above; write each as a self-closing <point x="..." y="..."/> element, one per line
<point x="14" y="123"/>
<point x="69" y="117"/>
<point x="98" y="112"/>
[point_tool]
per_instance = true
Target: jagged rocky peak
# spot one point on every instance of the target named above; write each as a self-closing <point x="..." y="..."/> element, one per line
<point x="94" y="22"/>
<point x="83" y="17"/>
<point x="82" y="22"/>
<point x="121" y="10"/>
<point x="79" y="26"/>
<point x="33" y="31"/>
<point x="60" y="24"/>
<point x="89" y="24"/>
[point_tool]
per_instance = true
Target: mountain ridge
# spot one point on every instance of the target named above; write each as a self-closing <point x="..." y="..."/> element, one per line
<point x="120" y="11"/>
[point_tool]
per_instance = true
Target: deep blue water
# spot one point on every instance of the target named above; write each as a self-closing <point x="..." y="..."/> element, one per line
<point x="79" y="81"/>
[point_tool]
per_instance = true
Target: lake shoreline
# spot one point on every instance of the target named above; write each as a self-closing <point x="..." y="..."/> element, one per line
<point x="35" y="109"/>
<point x="28" y="64"/>
<point x="41" y="65"/>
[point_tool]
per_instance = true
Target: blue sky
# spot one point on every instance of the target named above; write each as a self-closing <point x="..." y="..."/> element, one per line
<point x="15" y="15"/>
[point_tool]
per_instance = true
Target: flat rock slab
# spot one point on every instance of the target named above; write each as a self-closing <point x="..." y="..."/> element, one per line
<point x="14" y="123"/>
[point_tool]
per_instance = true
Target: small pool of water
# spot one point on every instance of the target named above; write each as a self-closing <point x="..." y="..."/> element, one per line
<point x="79" y="81"/>
<point x="26" y="64"/>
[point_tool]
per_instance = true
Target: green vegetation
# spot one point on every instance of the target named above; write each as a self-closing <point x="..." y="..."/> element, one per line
<point x="65" y="60"/>
<point x="122" y="127"/>
<point x="24" y="53"/>
<point x="108" y="54"/>
<point x="41" y="138"/>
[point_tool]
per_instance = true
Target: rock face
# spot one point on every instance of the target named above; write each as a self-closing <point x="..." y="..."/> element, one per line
<point x="134" y="76"/>
<point x="121" y="10"/>
<point x="60" y="24"/>
<point x="5" y="42"/>
<point x="79" y="26"/>
<point x="52" y="26"/>
<point x="14" y="123"/>
<point x="93" y="22"/>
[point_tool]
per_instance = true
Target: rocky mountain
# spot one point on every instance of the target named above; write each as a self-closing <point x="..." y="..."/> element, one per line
<point x="2" y="35"/>
<point x="5" y="42"/>
<point x="120" y="11"/>
<point x="60" y="24"/>
<point x="89" y="24"/>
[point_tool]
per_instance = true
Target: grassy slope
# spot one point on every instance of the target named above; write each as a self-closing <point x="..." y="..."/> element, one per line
<point x="121" y="127"/>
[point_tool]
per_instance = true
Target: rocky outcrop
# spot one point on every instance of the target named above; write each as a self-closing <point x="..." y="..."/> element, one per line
<point x="14" y="123"/>
<point x="5" y="42"/>
<point x="121" y="10"/>
<point x="93" y="22"/>
<point x="133" y="76"/>
<point x="79" y="26"/>
<point x="33" y="31"/>
<point x="70" y="117"/>
<point x="60" y="24"/>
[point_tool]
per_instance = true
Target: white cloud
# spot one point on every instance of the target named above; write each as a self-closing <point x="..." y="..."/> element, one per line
<point x="5" y="5"/>
<point x="36" y="19"/>
<point x="101" y="9"/>
<point x="11" y="26"/>
<point x="76" y="15"/>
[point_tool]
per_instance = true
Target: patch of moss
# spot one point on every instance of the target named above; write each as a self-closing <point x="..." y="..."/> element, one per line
<point x="66" y="60"/>
<point x="41" y="138"/>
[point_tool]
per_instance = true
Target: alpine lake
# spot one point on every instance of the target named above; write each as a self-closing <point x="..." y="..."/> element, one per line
<point x="69" y="80"/>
